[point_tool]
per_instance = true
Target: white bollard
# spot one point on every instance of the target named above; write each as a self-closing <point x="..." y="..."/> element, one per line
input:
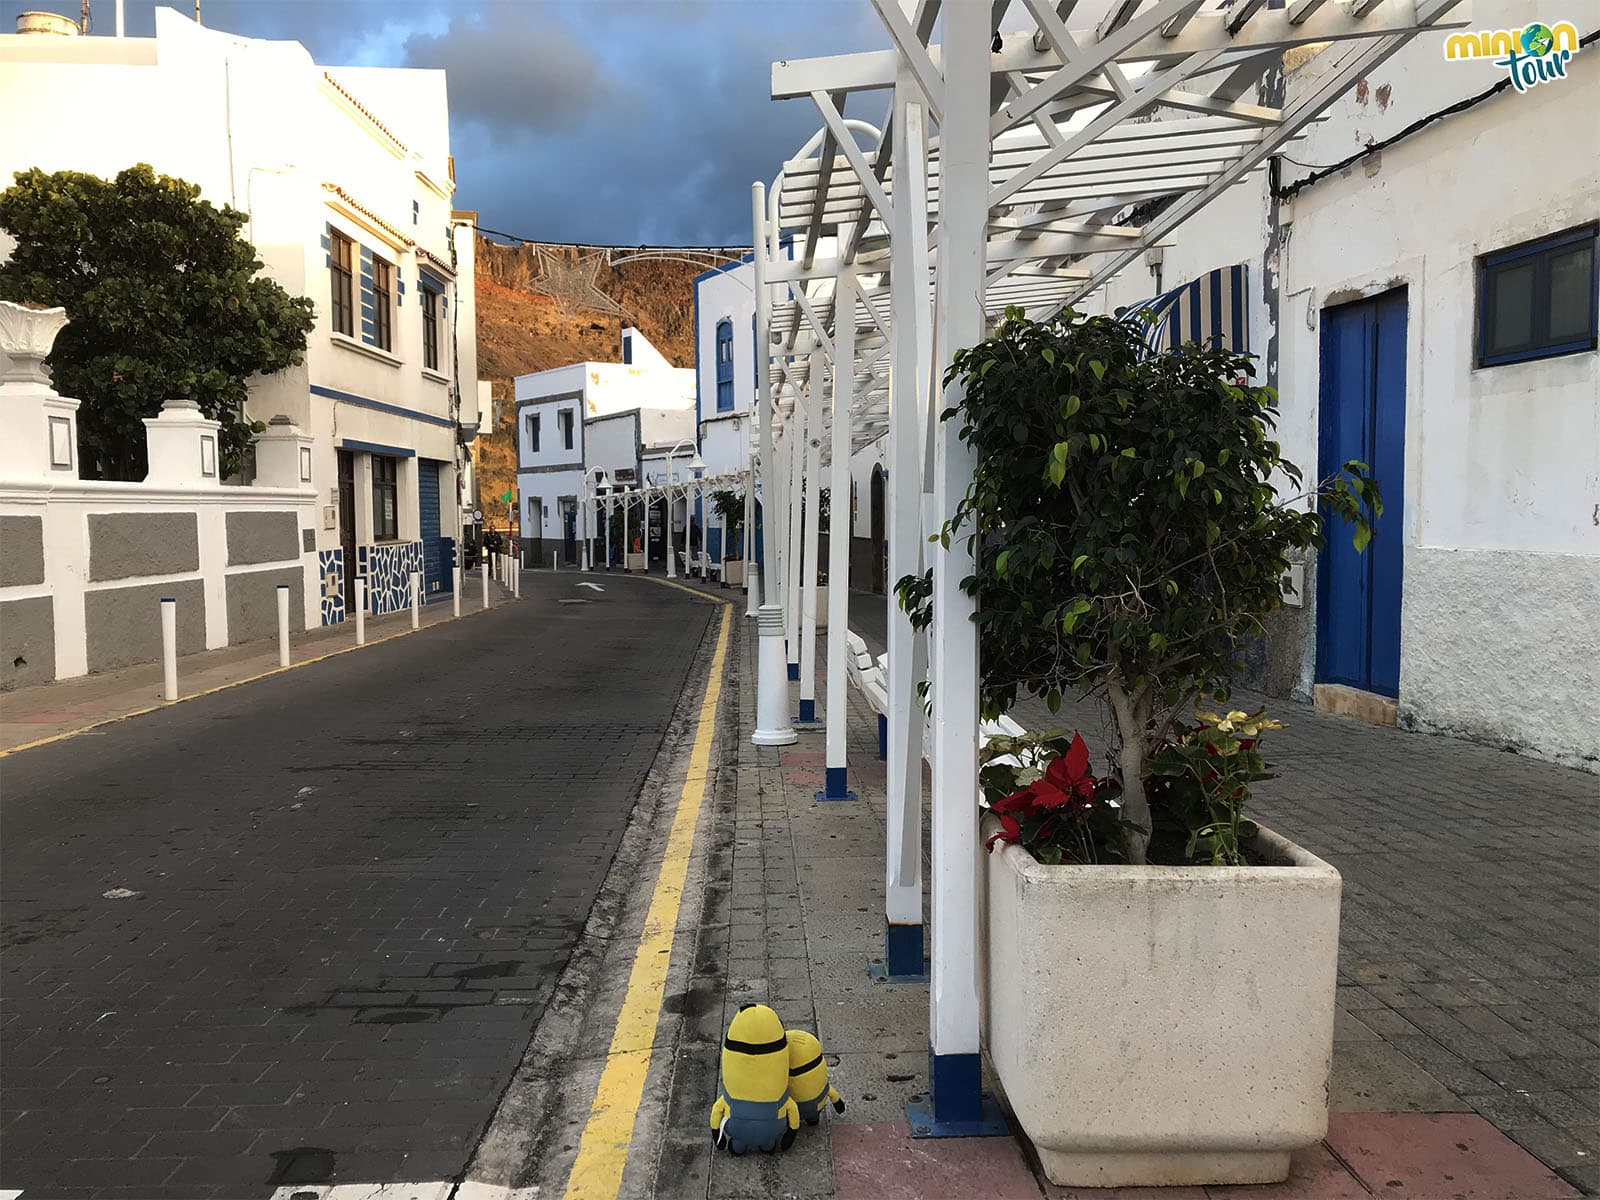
<point x="772" y="683"/>
<point x="416" y="600"/>
<point x="516" y="576"/>
<point x="455" y="590"/>
<point x="361" y="612"/>
<point x="486" y="583"/>
<point x="553" y="566"/>
<point x="283" y="624"/>
<point x="169" y="649"/>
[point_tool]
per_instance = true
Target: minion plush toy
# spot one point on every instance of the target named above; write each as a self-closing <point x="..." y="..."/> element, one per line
<point x="754" y="1108"/>
<point x="808" y="1077"/>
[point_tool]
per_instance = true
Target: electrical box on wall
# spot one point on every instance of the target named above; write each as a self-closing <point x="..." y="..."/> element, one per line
<point x="330" y="516"/>
<point x="1294" y="585"/>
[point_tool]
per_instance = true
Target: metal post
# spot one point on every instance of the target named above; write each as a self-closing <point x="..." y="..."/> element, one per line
<point x="772" y="690"/>
<point x="516" y="578"/>
<point x="608" y="533"/>
<point x="455" y="590"/>
<point x="911" y="334"/>
<point x="283" y="624"/>
<point x="844" y="358"/>
<point x="649" y="500"/>
<point x="954" y="1075"/>
<point x="169" y="648"/>
<point x="485" y="583"/>
<point x="627" y="504"/>
<point x="672" y="568"/>
<point x="416" y="600"/>
<point x="361" y="612"/>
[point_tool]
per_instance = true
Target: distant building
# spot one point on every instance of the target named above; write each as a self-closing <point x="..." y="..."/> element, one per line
<point x="347" y="178"/>
<point x="589" y="417"/>
<point x="725" y="375"/>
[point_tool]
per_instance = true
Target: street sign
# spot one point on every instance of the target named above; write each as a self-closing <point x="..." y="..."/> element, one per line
<point x="477" y="514"/>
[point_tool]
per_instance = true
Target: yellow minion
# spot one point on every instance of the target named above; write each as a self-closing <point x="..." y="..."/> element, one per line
<point x="754" y="1108"/>
<point x="808" y="1077"/>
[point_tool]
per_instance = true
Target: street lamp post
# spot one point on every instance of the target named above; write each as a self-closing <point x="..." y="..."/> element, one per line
<point x="593" y="481"/>
<point x="695" y="464"/>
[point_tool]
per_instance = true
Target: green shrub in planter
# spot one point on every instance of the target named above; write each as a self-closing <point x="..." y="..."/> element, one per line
<point x="1130" y="524"/>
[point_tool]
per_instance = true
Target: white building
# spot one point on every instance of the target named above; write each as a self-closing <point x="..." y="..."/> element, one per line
<point x="346" y="175"/>
<point x="725" y="375"/>
<point x="577" y="420"/>
<point x="1424" y="297"/>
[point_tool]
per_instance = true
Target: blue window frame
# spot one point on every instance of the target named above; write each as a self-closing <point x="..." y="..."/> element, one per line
<point x="1539" y="300"/>
<point x="724" y="365"/>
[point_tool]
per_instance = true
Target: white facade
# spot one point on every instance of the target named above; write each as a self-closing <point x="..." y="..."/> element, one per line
<point x="568" y="424"/>
<point x="313" y="155"/>
<point x="1500" y="600"/>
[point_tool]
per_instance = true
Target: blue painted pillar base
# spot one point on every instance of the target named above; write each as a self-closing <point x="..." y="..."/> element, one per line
<point x="794" y="672"/>
<point x="808" y="712"/>
<point x="956" y="1104"/>
<point x="837" y="785"/>
<point x="883" y="735"/>
<point x="903" y="960"/>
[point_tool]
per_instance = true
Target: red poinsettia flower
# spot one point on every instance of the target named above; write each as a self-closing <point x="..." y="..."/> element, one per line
<point x="1070" y="772"/>
<point x="1010" y="831"/>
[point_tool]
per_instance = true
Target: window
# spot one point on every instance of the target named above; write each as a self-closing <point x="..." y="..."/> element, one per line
<point x="533" y="433"/>
<point x="382" y="298"/>
<point x="430" y="329"/>
<point x="385" y="498"/>
<point x="1538" y="300"/>
<point x="342" y="282"/>
<point x="725" y="366"/>
<point x="564" y="418"/>
<point x="627" y="348"/>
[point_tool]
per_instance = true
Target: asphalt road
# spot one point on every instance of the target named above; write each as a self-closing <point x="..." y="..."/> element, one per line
<point x="353" y="885"/>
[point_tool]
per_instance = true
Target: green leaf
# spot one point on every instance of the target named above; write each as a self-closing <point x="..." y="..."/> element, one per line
<point x="1098" y="367"/>
<point x="1073" y="405"/>
<point x="1078" y="562"/>
<point x="1048" y="355"/>
<point x="984" y="370"/>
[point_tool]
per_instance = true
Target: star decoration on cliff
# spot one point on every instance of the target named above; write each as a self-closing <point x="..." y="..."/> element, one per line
<point x="570" y="282"/>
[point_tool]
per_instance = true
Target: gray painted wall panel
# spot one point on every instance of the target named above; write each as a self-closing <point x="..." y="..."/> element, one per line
<point x="124" y="624"/>
<point x="258" y="537"/>
<point x="27" y="632"/>
<point x="123" y="545"/>
<point x="253" y="603"/>
<point x="21" y="551"/>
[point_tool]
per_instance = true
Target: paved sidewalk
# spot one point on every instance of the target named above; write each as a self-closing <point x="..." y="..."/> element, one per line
<point x="34" y="714"/>
<point x="1469" y="975"/>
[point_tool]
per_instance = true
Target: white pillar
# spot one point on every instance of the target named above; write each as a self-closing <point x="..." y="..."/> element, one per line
<point x="649" y="500"/>
<point x="455" y="590"/>
<point x="416" y="600"/>
<point x="608" y="533"/>
<point x="516" y="577"/>
<point x="794" y="440"/>
<point x="844" y="358"/>
<point x="672" y="561"/>
<point x="627" y="546"/>
<point x="963" y="220"/>
<point x="772" y="689"/>
<point x="283" y="625"/>
<point x="815" y="390"/>
<point x="361" y="612"/>
<point x="910" y="349"/>
<point x="169" y="649"/>
<point x="485" y="566"/>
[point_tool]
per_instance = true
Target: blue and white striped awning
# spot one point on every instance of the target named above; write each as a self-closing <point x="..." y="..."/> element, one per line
<point x="1212" y="310"/>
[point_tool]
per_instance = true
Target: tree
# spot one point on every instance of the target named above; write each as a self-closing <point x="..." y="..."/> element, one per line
<point x="1129" y="535"/>
<point x="164" y="299"/>
<point x="728" y="504"/>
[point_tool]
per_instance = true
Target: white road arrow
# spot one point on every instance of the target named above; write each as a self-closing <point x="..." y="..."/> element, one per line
<point x="595" y="586"/>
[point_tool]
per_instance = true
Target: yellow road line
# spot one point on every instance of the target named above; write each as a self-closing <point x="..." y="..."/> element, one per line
<point x="222" y="687"/>
<point x="603" y="1150"/>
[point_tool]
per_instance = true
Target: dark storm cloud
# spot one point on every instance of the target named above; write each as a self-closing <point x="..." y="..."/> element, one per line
<point x="605" y="121"/>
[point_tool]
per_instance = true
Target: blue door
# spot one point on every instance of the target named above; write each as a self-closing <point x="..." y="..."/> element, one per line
<point x="435" y="554"/>
<point x="1363" y="416"/>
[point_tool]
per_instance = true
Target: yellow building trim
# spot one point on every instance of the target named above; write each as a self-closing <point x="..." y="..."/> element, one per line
<point x="437" y="189"/>
<point x="343" y="202"/>
<point x="380" y="133"/>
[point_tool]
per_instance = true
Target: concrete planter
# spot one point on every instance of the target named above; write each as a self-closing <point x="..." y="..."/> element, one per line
<point x="733" y="572"/>
<point x="822" y="606"/>
<point x="1158" y="1026"/>
<point x="635" y="562"/>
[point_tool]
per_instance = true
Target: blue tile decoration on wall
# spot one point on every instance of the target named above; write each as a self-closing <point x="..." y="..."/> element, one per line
<point x="387" y="569"/>
<point x="330" y="568"/>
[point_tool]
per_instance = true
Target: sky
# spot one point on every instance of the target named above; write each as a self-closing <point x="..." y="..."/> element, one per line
<point x="611" y="122"/>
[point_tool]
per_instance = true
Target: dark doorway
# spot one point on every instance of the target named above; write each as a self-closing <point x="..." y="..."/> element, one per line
<point x="880" y="545"/>
<point x="347" y="527"/>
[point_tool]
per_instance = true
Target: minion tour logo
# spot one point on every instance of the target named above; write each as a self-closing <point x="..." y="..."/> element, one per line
<point x="1534" y="55"/>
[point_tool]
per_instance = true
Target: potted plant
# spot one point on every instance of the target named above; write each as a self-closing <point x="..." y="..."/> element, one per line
<point x="1157" y="971"/>
<point x="729" y="507"/>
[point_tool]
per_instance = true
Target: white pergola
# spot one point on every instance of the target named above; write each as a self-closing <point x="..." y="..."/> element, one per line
<point x="1020" y="168"/>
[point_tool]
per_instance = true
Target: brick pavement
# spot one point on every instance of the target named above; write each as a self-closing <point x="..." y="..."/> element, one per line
<point x="354" y="887"/>
<point x="1471" y="894"/>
